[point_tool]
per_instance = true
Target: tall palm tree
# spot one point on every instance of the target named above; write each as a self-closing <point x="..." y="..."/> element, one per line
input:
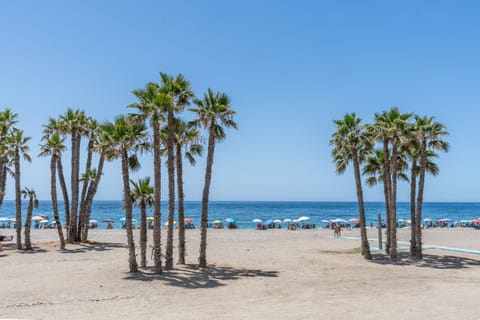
<point x="180" y="91"/>
<point x="350" y="145"/>
<point x="390" y="127"/>
<point x="123" y="139"/>
<point x="53" y="127"/>
<point x="7" y="120"/>
<point x="142" y="195"/>
<point x="151" y="105"/>
<point x="430" y="135"/>
<point x="18" y="148"/>
<point x="214" y="114"/>
<point x="74" y="123"/>
<point x="31" y="195"/>
<point x="54" y="147"/>
<point x="186" y="137"/>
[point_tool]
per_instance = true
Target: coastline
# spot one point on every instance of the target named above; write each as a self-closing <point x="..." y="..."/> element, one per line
<point x="260" y="274"/>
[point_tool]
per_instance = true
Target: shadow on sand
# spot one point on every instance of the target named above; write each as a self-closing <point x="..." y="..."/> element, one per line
<point x="92" y="246"/>
<point x="192" y="277"/>
<point x="428" y="261"/>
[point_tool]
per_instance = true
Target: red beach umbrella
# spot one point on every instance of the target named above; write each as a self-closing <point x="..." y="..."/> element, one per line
<point x="356" y="220"/>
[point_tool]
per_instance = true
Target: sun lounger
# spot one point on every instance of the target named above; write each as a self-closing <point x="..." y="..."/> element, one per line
<point x="6" y="238"/>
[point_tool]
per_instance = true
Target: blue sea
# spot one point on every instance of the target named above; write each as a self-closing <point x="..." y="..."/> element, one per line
<point x="245" y="211"/>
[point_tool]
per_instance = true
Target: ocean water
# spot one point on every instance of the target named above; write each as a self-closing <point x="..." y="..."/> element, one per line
<point x="245" y="211"/>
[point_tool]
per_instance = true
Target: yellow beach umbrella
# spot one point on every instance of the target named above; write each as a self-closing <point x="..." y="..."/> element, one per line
<point x="150" y="219"/>
<point x="174" y="223"/>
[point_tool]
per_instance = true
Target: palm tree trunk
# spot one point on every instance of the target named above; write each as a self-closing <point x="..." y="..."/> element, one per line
<point x="393" y="204"/>
<point x="143" y="234"/>
<point x="387" y="190"/>
<point x="66" y="201"/>
<point x="75" y="185"/>
<point x="53" y="193"/>
<point x="206" y="190"/>
<point x="83" y="212"/>
<point x="92" y="190"/>
<point x="421" y="186"/>
<point x="361" y="207"/>
<point x="157" y="216"/>
<point x="181" y="209"/>
<point x="127" y="203"/>
<point x="18" y="201"/>
<point x="3" y="180"/>
<point x="171" y="191"/>
<point x="28" y="223"/>
<point x="413" y="193"/>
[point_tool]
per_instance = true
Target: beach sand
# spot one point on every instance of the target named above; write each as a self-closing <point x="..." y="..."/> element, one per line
<point x="273" y="274"/>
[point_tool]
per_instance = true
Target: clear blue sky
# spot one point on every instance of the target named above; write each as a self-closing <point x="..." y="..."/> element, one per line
<point x="290" y="67"/>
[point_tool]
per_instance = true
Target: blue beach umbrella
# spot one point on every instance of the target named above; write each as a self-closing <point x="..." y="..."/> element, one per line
<point x="230" y="220"/>
<point x="268" y="222"/>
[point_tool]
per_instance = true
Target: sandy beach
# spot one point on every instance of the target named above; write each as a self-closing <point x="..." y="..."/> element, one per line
<point x="253" y="274"/>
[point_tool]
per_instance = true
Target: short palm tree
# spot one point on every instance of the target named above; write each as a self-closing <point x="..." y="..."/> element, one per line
<point x="54" y="147"/>
<point x="214" y="114"/>
<point x="142" y="195"/>
<point x="123" y="139"/>
<point x="350" y="145"/>
<point x="31" y="195"/>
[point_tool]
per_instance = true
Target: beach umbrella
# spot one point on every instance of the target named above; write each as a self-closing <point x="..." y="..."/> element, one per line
<point x="277" y="221"/>
<point x="427" y="219"/>
<point x="108" y="220"/>
<point x="301" y="219"/>
<point x="217" y="221"/>
<point x="93" y="221"/>
<point x="268" y="222"/>
<point x="257" y="221"/>
<point x="150" y="218"/>
<point x="43" y="221"/>
<point x="230" y="220"/>
<point x="408" y="221"/>
<point x="37" y="218"/>
<point x="356" y="220"/>
<point x="188" y="220"/>
<point x="287" y="220"/>
<point x="325" y="221"/>
<point x="3" y="219"/>
<point x="174" y="223"/>
<point x="123" y="219"/>
<point x="338" y="220"/>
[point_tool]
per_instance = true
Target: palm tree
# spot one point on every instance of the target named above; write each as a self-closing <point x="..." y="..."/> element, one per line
<point x="430" y="134"/>
<point x="187" y="137"/>
<point x="54" y="147"/>
<point x="32" y="202"/>
<point x="389" y="128"/>
<point x="180" y="91"/>
<point x="142" y="195"/>
<point x="18" y="147"/>
<point x="74" y="123"/>
<point x="53" y="127"/>
<point x="351" y="144"/>
<point x="7" y="120"/>
<point x="214" y="114"/>
<point x="123" y="139"/>
<point x="151" y="104"/>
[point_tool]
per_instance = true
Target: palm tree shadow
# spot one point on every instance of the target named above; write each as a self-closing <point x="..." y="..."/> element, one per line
<point x="429" y="261"/>
<point x="93" y="246"/>
<point x="192" y="277"/>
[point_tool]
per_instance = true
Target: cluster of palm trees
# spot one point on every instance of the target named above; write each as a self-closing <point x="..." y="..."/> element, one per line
<point x="159" y="106"/>
<point x="397" y="146"/>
